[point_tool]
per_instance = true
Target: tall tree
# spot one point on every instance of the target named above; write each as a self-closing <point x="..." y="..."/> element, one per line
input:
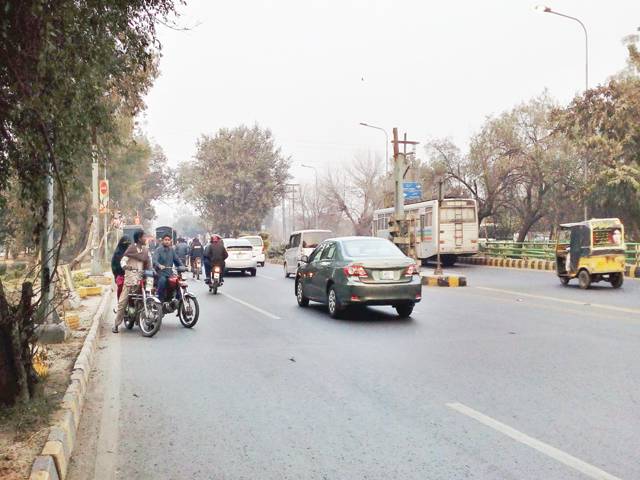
<point x="238" y="175"/>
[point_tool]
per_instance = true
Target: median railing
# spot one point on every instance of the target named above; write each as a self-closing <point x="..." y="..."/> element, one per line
<point x="543" y="250"/>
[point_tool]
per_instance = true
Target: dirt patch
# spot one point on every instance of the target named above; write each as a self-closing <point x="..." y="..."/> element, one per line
<point x="24" y="429"/>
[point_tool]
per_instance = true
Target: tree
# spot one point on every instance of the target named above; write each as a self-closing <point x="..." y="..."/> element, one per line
<point x="66" y="69"/>
<point x="357" y="192"/>
<point x="604" y="125"/>
<point x="236" y="178"/>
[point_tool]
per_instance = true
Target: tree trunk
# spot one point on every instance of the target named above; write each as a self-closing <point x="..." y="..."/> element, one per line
<point x="76" y="261"/>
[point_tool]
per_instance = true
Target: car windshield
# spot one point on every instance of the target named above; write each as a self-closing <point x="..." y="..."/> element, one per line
<point x="313" y="239"/>
<point x="371" y="247"/>
<point x="255" y="241"/>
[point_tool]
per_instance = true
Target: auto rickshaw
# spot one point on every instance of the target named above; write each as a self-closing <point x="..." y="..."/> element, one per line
<point x="592" y="251"/>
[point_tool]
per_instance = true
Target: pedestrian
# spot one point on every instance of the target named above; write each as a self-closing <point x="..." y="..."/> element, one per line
<point x="116" y="268"/>
<point x="135" y="261"/>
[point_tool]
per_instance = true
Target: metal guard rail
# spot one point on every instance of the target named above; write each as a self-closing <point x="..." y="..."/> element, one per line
<point x="543" y="250"/>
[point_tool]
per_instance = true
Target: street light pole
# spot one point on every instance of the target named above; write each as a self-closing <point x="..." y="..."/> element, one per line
<point x="386" y="146"/>
<point x="544" y="9"/>
<point x="316" y="192"/>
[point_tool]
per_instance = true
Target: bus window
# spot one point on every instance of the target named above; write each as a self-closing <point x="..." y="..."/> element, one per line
<point x="448" y="215"/>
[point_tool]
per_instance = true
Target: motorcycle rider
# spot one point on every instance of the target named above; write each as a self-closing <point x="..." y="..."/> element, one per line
<point x="215" y="254"/>
<point x="182" y="250"/>
<point x="135" y="260"/>
<point x="164" y="258"/>
<point x="195" y="251"/>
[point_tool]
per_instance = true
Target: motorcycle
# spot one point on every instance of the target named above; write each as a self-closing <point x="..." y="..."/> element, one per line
<point x="215" y="282"/>
<point x="143" y="308"/>
<point x="182" y="300"/>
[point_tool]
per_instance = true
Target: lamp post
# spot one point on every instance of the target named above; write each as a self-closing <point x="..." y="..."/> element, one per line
<point x="386" y="146"/>
<point x="545" y="9"/>
<point x="316" y="192"/>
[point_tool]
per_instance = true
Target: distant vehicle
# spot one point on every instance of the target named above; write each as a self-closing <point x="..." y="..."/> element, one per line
<point x="455" y="219"/>
<point x="129" y="230"/>
<point x="350" y="271"/>
<point x="258" y="248"/>
<point x="301" y="242"/>
<point x="592" y="251"/>
<point x="241" y="256"/>
<point x="162" y="231"/>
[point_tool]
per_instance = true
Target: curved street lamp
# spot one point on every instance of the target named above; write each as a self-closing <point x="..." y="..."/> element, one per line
<point x="386" y="165"/>
<point x="545" y="9"/>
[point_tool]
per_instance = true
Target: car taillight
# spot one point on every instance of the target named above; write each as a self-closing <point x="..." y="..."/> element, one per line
<point x="412" y="270"/>
<point x="355" y="270"/>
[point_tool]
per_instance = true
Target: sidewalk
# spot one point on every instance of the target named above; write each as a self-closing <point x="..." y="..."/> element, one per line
<point x="24" y="430"/>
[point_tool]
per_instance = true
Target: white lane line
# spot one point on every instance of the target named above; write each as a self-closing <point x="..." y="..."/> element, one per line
<point x="252" y="307"/>
<point x="562" y="300"/>
<point x="266" y="276"/>
<point x="562" y="457"/>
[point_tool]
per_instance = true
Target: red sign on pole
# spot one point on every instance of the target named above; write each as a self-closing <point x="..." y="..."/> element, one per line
<point x="104" y="187"/>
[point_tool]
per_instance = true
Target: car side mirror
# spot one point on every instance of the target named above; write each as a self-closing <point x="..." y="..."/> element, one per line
<point x="304" y="259"/>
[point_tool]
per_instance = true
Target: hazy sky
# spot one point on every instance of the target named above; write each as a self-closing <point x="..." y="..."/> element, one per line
<point x="311" y="70"/>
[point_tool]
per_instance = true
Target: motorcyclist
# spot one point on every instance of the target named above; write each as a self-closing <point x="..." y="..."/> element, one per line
<point x="164" y="259"/>
<point x="182" y="250"/>
<point x="135" y="260"/>
<point x="195" y="251"/>
<point x="215" y="254"/>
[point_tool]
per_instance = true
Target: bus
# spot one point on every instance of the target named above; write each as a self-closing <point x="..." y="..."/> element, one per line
<point x="455" y="218"/>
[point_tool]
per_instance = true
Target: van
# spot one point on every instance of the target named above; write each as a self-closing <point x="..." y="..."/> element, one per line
<point x="302" y="242"/>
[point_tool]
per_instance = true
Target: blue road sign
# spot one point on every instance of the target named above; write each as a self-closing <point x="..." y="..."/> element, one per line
<point x="412" y="190"/>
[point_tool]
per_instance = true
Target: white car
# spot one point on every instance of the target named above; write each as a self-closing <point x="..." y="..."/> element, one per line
<point x="302" y="242"/>
<point x="258" y="248"/>
<point x="241" y="256"/>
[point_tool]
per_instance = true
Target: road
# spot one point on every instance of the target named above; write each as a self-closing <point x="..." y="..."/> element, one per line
<point x="513" y="377"/>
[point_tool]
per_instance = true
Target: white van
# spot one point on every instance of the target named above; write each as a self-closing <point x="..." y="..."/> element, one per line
<point x="302" y="242"/>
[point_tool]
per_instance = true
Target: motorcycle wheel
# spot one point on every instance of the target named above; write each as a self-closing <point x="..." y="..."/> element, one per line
<point x="215" y="290"/>
<point x="189" y="311"/>
<point x="150" y="324"/>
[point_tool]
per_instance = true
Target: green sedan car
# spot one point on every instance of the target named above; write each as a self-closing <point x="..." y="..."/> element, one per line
<point x="352" y="271"/>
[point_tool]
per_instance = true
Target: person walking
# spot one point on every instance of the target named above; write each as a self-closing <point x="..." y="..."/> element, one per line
<point x="116" y="268"/>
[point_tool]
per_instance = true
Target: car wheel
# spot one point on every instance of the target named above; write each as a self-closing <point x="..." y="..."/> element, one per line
<point x="286" y="272"/>
<point x="616" y="279"/>
<point x="404" y="311"/>
<point x="253" y="272"/>
<point x="584" y="279"/>
<point x="302" y="300"/>
<point x="333" y="304"/>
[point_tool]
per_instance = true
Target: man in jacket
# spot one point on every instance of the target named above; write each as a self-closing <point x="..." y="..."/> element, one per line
<point x="135" y="260"/>
<point x="195" y="252"/>
<point x="164" y="258"/>
<point x="214" y="254"/>
<point x="182" y="250"/>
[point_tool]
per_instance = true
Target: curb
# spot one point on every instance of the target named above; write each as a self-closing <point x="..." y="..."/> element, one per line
<point x="53" y="462"/>
<point x="630" y="271"/>
<point x="444" y="281"/>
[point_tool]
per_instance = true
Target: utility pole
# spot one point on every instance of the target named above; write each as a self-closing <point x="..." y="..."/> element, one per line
<point x="284" y="218"/>
<point x="106" y="219"/>
<point x="95" y="224"/>
<point x="438" y="270"/>
<point x="401" y="233"/>
<point x="50" y="315"/>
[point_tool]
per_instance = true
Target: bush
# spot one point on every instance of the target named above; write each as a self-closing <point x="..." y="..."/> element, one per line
<point x="276" y="251"/>
<point x="3" y="268"/>
<point x="87" y="282"/>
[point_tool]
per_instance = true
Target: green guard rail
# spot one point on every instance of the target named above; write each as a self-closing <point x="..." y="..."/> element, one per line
<point x="542" y="250"/>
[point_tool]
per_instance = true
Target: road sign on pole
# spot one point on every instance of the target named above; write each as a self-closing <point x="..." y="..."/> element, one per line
<point x="103" y="190"/>
<point x="412" y="190"/>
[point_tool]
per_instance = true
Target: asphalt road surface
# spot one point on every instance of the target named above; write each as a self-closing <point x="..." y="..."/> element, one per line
<point x="513" y="377"/>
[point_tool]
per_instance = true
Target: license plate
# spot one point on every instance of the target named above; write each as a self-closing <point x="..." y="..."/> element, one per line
<point x="387" y="275"/>
<point x="216" y="276"/>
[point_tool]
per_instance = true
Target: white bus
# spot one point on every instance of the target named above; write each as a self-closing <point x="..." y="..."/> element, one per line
<point x="456" y="218"/>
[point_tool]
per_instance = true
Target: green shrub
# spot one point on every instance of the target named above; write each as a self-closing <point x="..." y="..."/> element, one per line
<point x="86" y="282"/>
<point x="276" y="251"/>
